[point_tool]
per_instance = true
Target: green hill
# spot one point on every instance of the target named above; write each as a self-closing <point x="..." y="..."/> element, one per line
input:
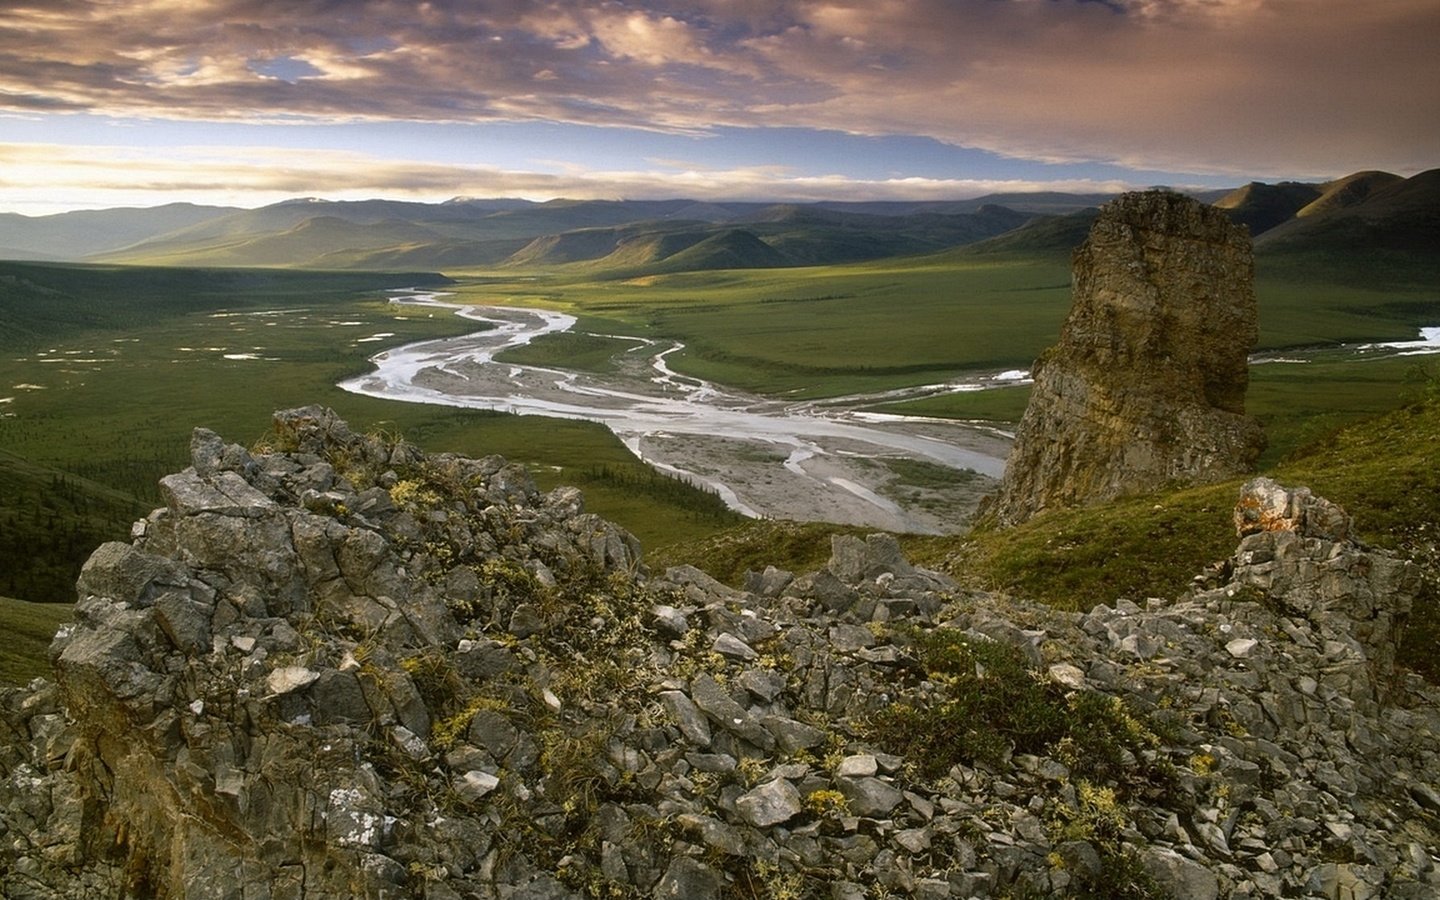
<point x="1388" y="236"/>
<point x="50" y="521"/>
<point x="40" y="301"/>
<point x="1260" y="207"/>
<point x="733" y="248"/>
<point x="29" y="628"/>
<point x="316" y="242"/>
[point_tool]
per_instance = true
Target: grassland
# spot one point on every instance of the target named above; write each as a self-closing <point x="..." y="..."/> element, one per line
<point x="834" y="330"/>
<point x="105" y="371"/>
<point x="29" y="627"/>
<point x="114" y="368"/>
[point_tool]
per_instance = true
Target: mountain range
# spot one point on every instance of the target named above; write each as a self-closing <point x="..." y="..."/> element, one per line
<point x="1367" y="210"/>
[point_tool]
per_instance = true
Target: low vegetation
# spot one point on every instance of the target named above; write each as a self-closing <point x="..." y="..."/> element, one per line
<point x="29" y="627"/>
<point x="104" y="372"/>
<point x="1381" y="470"/>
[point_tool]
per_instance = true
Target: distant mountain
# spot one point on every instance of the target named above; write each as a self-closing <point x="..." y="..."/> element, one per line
<point x="1367" y="212"/>
<point x="1267" y="207"/>
<point x="315" y="242"/>
<point x="1351" y="190"/>
<point x="1042" y="235"/>
<point x="727" y="248"/>
<point x="1377" y="228"/>
<point x="73" y="236"/>
<point x="1261" y="207"/>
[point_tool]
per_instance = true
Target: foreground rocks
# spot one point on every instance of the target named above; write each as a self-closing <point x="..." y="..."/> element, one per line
<point x="346" y="669"/>
<point x="1147" y="384"/>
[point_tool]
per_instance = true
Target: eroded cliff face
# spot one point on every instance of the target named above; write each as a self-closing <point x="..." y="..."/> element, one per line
<point x="1147" y="384"/>
<point x="343" y="668"/>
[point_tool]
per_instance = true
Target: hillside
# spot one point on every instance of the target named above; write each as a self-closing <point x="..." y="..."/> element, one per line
<point x="1389" y="229"/>
<point x="540" y="716"/>
<point x="77" y="235"/>
<point x="1361" y="212"/>
<point x="1260" y="207"/>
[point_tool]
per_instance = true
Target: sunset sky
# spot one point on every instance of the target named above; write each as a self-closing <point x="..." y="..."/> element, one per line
<point x="246" y="102"/>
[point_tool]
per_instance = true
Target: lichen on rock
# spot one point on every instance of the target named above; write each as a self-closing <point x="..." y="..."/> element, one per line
<point x="412" y="675"/>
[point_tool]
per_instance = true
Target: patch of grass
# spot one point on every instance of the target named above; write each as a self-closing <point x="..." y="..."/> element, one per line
<point x="918" y="473"/>
<point x="798" y="547"/>
<point x="570" y="350"/>
<point x="812" y="332"/>
<point x="1381" y="470"/>
<point x="1002" y="405"/>
<point x="29" y="628"/>
<point x="1072" y="559"/>
<point x="992" y="703"/>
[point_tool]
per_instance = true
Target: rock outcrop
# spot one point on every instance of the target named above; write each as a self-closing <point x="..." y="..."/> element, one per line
<point x="343" y="668"/>
<point x="1147" y="384"/>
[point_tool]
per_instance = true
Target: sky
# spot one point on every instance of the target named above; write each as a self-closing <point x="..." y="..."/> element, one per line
<point x="109" y="103"/>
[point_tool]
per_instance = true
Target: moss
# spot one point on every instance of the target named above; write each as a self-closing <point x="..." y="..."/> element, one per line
<point x="728" y="555"/>
<point x="1380" y="470"/>
<point x="990" y="703"/>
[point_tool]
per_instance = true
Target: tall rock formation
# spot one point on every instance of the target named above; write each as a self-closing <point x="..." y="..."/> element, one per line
<point x="1147" y="384"/>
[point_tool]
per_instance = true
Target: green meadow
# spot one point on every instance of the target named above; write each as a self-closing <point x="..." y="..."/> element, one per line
<point x="98" y="400"/>
<point x="835" y="330"/>
<point x="104" y="371"/>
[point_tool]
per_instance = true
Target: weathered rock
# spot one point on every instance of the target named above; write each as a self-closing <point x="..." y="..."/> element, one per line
<point x="1147" y="384"/>
<point x="769" y="804"/>
<point x="689" y="879"/>
<point x="336" y="705"/>
<point x="1267" y="506"/>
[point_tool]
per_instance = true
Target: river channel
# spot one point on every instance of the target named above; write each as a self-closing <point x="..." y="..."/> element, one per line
<point x="826" y="460"/>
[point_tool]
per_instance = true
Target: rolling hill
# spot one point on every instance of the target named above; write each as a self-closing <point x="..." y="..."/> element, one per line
<point x="75" y="236"/>
<point x="1390" y="217"/>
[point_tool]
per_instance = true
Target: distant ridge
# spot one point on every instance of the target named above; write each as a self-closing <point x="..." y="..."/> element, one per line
<point x="1364" y="213"/>
<point x="1390" y="224"/>
<point x="73" y="236"/>
<point x="1261" y="207"/>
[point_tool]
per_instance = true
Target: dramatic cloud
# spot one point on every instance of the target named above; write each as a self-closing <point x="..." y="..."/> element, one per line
<point x="1225" y="86"/>
<point x="117" y="175"/>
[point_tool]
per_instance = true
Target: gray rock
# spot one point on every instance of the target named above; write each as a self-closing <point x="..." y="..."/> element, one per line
<point x="1183" y="879"/>
<point x="869" y="797"/>
<point x="769" y="804"/>
<point x="858" y="766"/>
<point x="685" y="714"/>
<point x="670" y="622"/>
<point x="224" y="494"/>
<point x="764" y="684"/>
<point x="525" y="621"/>
<point x="474" y="785"/>
<point x="792" y="736"/>
<point x="730" y="716"/>
<point x="731" y="646"/>
<point x="689" y="879"/>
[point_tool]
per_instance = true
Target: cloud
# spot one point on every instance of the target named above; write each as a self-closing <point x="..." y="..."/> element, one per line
<point x="1249" y="87"/>
<point x="35" y="175"/>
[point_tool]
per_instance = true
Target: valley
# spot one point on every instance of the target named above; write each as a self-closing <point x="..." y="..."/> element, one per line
<point x="105" y="369"/>
<point x="766" y="457"/>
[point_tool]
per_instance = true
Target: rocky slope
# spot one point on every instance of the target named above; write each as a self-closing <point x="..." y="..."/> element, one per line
<point x="1147" y="383"/>
<point x="343" y="668"/>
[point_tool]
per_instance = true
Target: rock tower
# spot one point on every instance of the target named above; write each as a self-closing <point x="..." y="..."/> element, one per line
<point x="1147" y="384"/>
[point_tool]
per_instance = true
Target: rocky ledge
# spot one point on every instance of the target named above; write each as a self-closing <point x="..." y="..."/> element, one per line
<point x="343" y="668"/>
